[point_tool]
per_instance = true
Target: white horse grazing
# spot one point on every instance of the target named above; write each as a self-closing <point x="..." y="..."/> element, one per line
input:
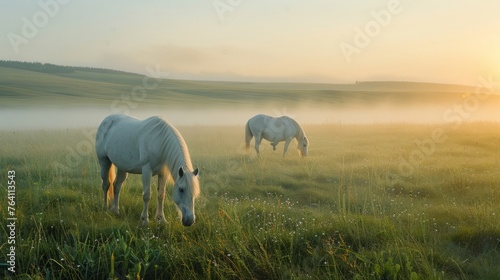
<point x="275" y="130"/>
<point x="149" y="147"/>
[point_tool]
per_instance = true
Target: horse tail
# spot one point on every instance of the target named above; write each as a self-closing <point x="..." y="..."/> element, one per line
<point x="248" y="137"/>
<point x="111" y="177"/>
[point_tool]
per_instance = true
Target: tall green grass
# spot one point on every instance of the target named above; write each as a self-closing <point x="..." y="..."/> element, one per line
<point x="333" y="215"/>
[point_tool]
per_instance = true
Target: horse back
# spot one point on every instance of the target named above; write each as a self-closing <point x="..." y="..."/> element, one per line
<point x="258" y="122"/>
<point x="117" y="138"/>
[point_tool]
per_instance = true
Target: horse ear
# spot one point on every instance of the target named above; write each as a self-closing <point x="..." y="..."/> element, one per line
<point x="196" y="172"/>
<point x="181" y="172"/>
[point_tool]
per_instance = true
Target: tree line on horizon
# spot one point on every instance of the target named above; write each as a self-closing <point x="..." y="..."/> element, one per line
<point x="56" y="69"/>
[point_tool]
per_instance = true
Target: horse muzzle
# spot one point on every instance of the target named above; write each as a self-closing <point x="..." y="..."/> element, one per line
<point x="187" y="220"/>
<point x="302" y="154"/>
<point x="187" y="217"/>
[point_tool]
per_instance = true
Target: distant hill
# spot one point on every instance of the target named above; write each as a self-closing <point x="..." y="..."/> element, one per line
<point x="56" y="69"/>
<point x="25" y="83"/>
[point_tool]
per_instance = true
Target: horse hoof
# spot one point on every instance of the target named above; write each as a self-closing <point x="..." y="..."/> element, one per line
<point x="115" y="211"/>
<point x="160" y="219"/>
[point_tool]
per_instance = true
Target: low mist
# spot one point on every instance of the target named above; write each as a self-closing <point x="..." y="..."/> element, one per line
<point x="75" y="117"/>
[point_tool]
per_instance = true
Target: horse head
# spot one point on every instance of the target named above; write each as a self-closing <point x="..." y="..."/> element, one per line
<point x="186" y="189"/>
<point x="303" y="146"/>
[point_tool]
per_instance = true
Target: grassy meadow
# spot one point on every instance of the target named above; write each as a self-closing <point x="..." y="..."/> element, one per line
<point x="358" y="207"/>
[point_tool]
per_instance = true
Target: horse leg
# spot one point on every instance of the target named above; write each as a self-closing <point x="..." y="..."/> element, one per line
<point x="146" y="194"/>
<point x="287" y="142"/>
<point x="258" y="139"/>
<point x="106" y="165"/>
<point x="162" y="182"/>
<point x="274" y="144"/>
<point x="120" y="178"/>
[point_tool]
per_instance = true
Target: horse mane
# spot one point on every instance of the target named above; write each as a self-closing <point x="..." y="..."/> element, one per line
<point x="174" y="149"/>
<point x="300" y="132"/>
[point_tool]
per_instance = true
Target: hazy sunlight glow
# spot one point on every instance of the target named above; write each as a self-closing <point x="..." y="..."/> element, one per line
<point x="297" y="40"/>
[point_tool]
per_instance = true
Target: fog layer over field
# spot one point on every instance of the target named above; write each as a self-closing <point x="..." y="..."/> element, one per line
<point x="83" y="97"/>
<point x="52" y="117"/>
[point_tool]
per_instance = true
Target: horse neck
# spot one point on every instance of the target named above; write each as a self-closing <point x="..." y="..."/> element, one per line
<point x="180" y="159"/>
<point x="300" y="133"/>
<point x="176" y="154"/>
<point x="175" y="165"/>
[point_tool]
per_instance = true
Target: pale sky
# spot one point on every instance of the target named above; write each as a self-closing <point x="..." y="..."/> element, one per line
<point x="450" y="41"/>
